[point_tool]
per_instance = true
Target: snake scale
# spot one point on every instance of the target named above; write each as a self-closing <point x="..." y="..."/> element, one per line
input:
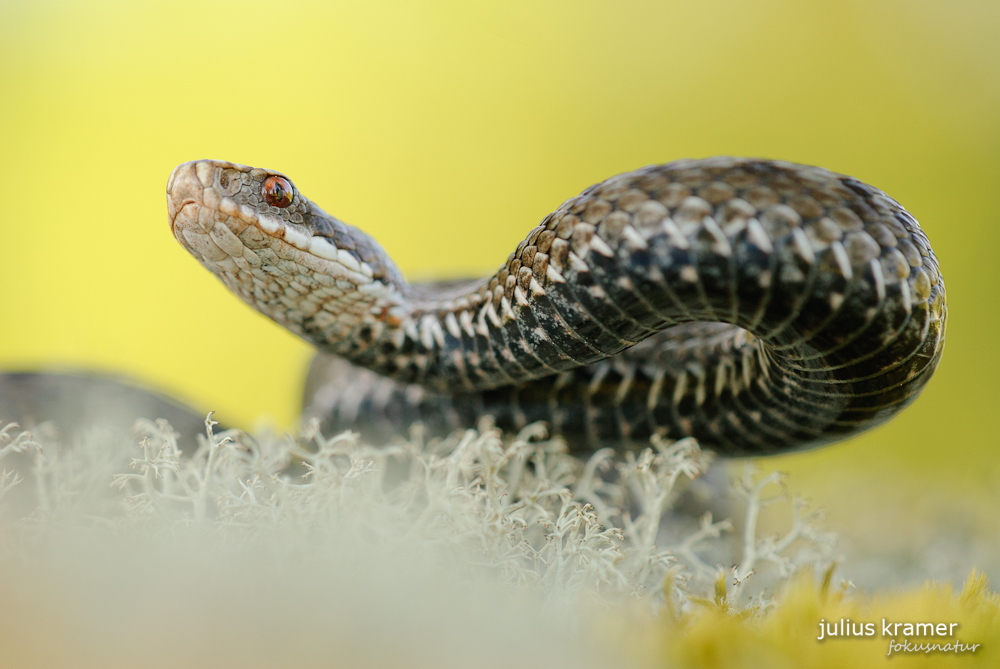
<point x="759" y="306"/>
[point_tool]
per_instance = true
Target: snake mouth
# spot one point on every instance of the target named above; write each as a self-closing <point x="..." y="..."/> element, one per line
<point x="179" y="209"/>
<point x="181" y="192"/>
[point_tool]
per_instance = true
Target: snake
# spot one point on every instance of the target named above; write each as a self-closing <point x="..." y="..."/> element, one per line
<point x="758" y="306"/>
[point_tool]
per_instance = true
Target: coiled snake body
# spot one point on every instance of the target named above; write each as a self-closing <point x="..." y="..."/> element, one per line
<point x="759" y="306"/>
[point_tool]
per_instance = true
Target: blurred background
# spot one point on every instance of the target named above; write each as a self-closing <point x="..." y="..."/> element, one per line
<point x="429" y="122"/>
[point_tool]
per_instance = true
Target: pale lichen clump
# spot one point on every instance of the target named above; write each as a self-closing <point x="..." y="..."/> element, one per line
<point x="522" y="506"/>
<point x="450" y="548"/>
<point x="13" y="440"/>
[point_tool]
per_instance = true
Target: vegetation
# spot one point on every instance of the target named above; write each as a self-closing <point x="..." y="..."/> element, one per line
<point x="326" y="551"/>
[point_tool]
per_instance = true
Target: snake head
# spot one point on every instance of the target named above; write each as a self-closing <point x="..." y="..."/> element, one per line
<point x="279" y="252"/>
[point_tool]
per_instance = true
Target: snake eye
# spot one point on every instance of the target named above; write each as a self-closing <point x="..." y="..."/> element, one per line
<point x="277" y="192"/>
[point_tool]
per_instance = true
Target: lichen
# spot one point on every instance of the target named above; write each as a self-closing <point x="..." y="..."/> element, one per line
<point x="500" y="536"/>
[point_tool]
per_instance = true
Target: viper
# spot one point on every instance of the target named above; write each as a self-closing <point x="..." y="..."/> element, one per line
<point x="758" y="306"/>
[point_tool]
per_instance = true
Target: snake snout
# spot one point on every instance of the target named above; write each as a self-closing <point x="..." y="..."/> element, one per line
<point x="186" y="184"/>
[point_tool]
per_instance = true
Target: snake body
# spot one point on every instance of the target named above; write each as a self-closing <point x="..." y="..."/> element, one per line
<point x="756" y="305"/>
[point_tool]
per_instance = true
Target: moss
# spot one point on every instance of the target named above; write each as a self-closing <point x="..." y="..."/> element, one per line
<point x="786" y="635"/>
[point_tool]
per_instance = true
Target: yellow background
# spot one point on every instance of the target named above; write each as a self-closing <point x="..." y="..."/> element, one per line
<point x="448" y="130"/>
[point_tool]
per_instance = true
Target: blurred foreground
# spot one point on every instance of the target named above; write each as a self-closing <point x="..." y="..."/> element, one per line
<point x="265" y="550"/>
